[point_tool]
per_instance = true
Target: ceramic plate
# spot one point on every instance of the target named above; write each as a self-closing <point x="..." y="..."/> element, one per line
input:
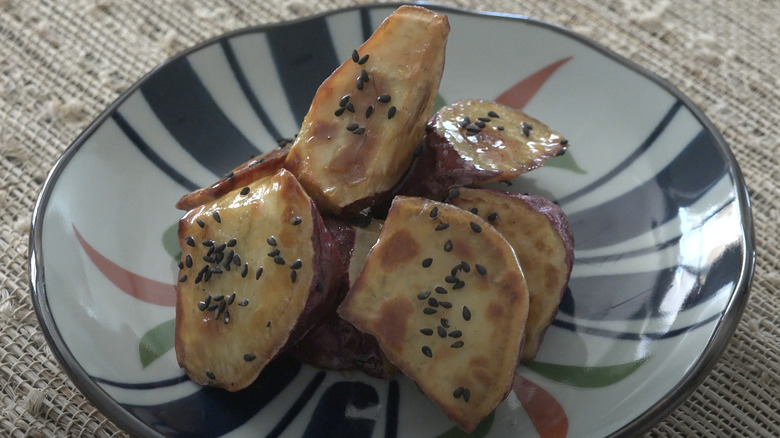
<point x="656" y="202"/>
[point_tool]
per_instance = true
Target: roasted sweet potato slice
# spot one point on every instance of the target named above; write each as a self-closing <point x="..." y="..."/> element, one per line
<point x="242" y="175"/>
<point x="474" y="142"/>
<point x="443" y="293"/>
<point x="359" y="136"/>
<point x="539" y="232"/>
<point x="256" y="275"/>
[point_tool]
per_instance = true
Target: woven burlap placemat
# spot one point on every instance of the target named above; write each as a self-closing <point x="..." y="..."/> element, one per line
<point x="62" y="62"/>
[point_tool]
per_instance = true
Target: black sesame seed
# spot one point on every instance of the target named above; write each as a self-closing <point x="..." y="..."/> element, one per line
<point x="360" y="130"/>
<point x="457" y="344"/>
<point x="451" y="279"/>
<point x="200" y="223"/>
<point x="527" y="129"/>
<point x="434" y="212"/>
<point x="391" y="112"/>
<point x="448" y="246"/>
<point x="480" y="124"/>
<point x="427" y="262"/>
<point x="561" y="152"/>
<point x="474" y="129"/>
<point x="466" y="313"/>
<point x="442" y="226"/>
<point x="428" y="128"/>
<point x="456" y="334"/>
<point x="500" y="128"/>
<point x="279" y="260"/>
<point x="209" y="243"/>
<point x="296" y="220"/>
<point x="463" y="124"/>
<point x="564" y="141"/>
<point x="369" y="111"/>
<point x="493" y="216"/>
<point x="221" y="247"/>
<point x="249" y="357"/>
<point x="465" y="266"/>
<point x="466" y="120"/>
<point x="203" y="270"/>
<point x="484" y="119"/>
<point x="271" y="240"/>
<point x="212" y="307"/>
<point x="466" y="395"/>
<point x="188" y="261"/>
<point x="459" y="285"/>
<point x="440" y="290"/>
<point x="268" y="324"/>
<point x="363" y="59"/>
<point x="426" y="350"/>
<point x="243" y="303"/>
<point x="296" y="264"/>
<point x="208" y="259"/>
<point x="293" y="275"/>
<point x="231" y="298"/>
<point x="455" y="269"/>
<point x="228" y="260"/>
<point x="423" y="294"/>
<point x="245" y="191"/>
<point x="207" y="275"/>
<point x="384" y="98"/>
<point x="189" y="241"/>
<point x="493" y="114"/>
<point x="352" y="127"/>
<point x="226" y="317"/>
<point x="180" y="264"/>
<point x="359" y="83"/>
<point x="183" y="278"/>
<point x="481" y="269"/>
<point x="475" y="227"/>
<point x="350" y="107"/>
<point x="339" y="112"/>
<point x="445" y="323"/>
<point x="429" y="311"/>
<point x="236" y="259"/>
<point x="433" y="302"/>
<point x="441" y="331"/>
<point x="216" y="217"/>
<point x="258" y="273"/>
<point x="231" y="243"/>
<point x="364" y="75"/>
<point x="355" y="56"/>
<point x="344" y="100"/>
<point x="274" y="252"/>
<point x="458" y="393"/>
<point x="445" y="304"/>
<point x="245" y="270"/>
<point x="218" y="298"/>
<point x="202" y="305"/>
<point x="210" y="375"/>
<point x="426" y="331"/>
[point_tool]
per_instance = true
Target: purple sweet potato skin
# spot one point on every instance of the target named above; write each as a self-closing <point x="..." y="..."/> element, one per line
<point x="333" y="343"/>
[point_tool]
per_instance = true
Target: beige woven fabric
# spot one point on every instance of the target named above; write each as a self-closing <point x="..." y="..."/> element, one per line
<point x="63" y="61"/>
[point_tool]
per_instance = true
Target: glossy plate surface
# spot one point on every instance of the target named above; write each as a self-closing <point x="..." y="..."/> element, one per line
<point x="656" y="202"/>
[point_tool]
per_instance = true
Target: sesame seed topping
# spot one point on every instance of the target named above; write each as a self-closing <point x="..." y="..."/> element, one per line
<point x="293" y="275"/>
<point x="427" y="262"/>
<point x="442" y="226"/>
<point x="359" y="130"/>
<point x="180" y="264"/>
<point x="296" y="220"/>
<point x="188" y="261"/>
<point x="457" y="344"/>
<point x="391" y="112"/>
<point x="433" y="302"/>
<point x="423" y="295"/>
<point x="445" y="323"/>
<point x="493" y="216"/>
<point x="359" y="83"/>
<point x="426" y="350"/>
<point x="445" y="304"/>
<point x="369" y="110"/>
<point x="475" y="227"/>
<point x="210" y="374"/>
<point x="355" y="56"/>
<point x="466" y="395"/>
<point x="500" y="128"/>
<point x="363" y="59"/>
<point x="440" y="290"/>
<point x="189" y="241"/>
<point x="245" y="191"/>
<point x="481" y="269"/>
<point x="296" y="264"/>
<point x="448" y="246"/>
<point x="465" y="266"/>
<point x="352" y="127"/>
<point x="564" y="141"/>
<point x="243" y="303"/>
<point x="350" y="107"/>
<point x="339" y="112"/>
<point x="245" y="270"/>
<point x="426" y="331"/>
<point x="473" y="128"/>
<point x="384" y="98"/>
<point x="458" y="393"/>
<point x="451" y="279"/>
<point x="455" y="334"/>
<point x="429" y="311"/>
<point x="466" y="313"/>
<point x="200" y="223"/>
<point x="258" y="273"/>
<point x="274" y="252"/>
<point x="279" y="260"/>
<point x="493" y="114"/>
<point x="459" y="285"/>
<point x="231" y="298"/>
<point x="527" y="129"/>
<point x="434" y="212"/>
<point x="484" y="119"/>
<point x="364" y="75"/>
<point x="218" y="298"/>
<point x="207" y="243"/>
<point x="480" y="124"/>
<point x="249" y="357"/>
<point x="271" y="240"/>
<point x="216" y="217"/>
<point x="441" y="331"/>
<point x="344" y="100"/>
<point x="268" y="324"/>
<point x="202" y="305"/>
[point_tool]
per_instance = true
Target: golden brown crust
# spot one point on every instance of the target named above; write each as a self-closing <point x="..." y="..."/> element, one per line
<point x="453" y="327"/>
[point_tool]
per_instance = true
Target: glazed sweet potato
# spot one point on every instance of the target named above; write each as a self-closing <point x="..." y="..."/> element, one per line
<point x="256" y="276"/>
<point x="539" y="232"/>
<point x="474" y="142"/>
<point x="443" y="293"/>
<point x="358" y="138"/>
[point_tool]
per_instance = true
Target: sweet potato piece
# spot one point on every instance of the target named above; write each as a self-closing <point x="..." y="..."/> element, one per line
<point x="443" y="293"/>
<point x="359" y="136"/>
<point x="242" y="175"/>
<point x="474" y="142"/>
<point x="539" y="232"/>
<point x="256" y="275"/>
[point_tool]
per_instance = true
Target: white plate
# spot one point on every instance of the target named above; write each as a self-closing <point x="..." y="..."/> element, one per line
<point x="656" y="202"/>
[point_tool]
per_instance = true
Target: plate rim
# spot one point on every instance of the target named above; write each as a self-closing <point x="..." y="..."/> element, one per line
<point x="691" y="380"/>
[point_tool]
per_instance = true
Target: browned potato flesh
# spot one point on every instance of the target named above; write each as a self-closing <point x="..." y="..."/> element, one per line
<point x="474" y="142"/>
<point x="443" y="293"/>
<point x="538" y="231"/>
<point x="358" y="138"/>
<point x="255" y="276"/>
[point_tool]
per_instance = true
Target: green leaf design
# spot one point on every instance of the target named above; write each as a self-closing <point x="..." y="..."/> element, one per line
<point x="482" y="429"/>
<point x="170" y="241"/>
<point x="586" y="377"/>
<point x="566" y="162"/>
<point x="156" y="342"/>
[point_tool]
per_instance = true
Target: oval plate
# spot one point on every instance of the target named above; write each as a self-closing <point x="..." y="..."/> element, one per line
<point x="655" y="199"/>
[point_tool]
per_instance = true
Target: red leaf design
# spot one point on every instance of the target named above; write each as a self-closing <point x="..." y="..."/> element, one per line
<point x="142" y="288"/>
<point x="546" y="413"/>
<point x="522" y="92"/>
